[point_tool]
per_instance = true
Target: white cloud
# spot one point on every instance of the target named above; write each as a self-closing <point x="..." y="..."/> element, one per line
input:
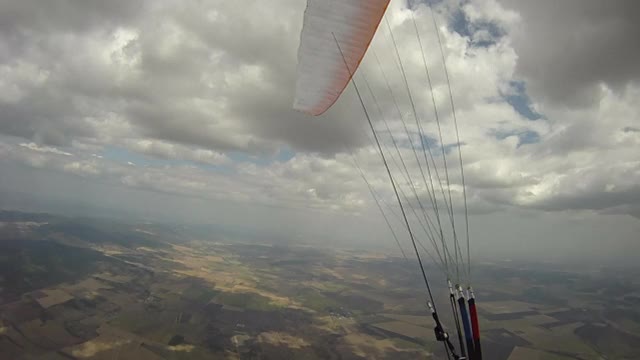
<point x="82" y="168"/>
<point x="165" y="150"/>
<point x="210" y="83"/>
<point x="45" y="149"/>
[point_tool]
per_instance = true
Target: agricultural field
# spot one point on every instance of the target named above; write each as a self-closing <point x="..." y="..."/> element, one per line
<point x="132" y="291"/>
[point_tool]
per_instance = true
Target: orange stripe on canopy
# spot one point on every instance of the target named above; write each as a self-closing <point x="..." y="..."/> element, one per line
<point x="322" y="74"/>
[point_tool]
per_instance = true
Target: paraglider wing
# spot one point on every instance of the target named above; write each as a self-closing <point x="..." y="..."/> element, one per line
<point x="322" y="74"/>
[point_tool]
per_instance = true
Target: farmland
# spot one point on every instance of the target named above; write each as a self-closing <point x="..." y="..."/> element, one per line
<point x="140" y="291"/>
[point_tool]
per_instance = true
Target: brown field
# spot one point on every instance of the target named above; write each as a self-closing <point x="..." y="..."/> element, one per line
<point x="113" y="343"/>
<point x="50" y="335"/>
<point x="505" y="307"/>
<point x="372" y="348"/>
<point x="515" y="324"/>
<point x="280" y="338"/>
<point x="120" y="279"/>
<point x="87" y="285"/>
<point x="522" y="353"/>
<point x="411" y="319"/>
<point x="204" y="300"/>
<point x="405" y="329"/>
<point x="53" y="297"/>
<point x="561" y="338"/>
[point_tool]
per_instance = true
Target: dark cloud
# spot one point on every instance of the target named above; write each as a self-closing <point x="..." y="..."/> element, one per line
<point x="66" y="15"/>
<point x="46" y="119"/>
<point x="566" y="48"/>
<point x="212" y="74"/>
<point x="592" y="199"/>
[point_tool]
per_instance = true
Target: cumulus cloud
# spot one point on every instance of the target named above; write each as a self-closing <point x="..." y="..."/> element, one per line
<point x="165" y="150"/>
<point x="82" y="168"/>
<point x="303" y="182"/>
<point x="568" y="48"/>
<point x="211" y="75"/>
<point x="44" y="149"/>
<point x="545" y="100"/>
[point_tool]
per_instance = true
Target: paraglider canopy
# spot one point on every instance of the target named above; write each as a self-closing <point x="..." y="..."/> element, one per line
<point x="322" y="74"/>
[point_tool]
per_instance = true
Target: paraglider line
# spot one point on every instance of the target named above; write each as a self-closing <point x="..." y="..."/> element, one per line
<point x="425" y="146"/>
<point x="427" y="229"/>
<point x="404" y="165"/>
<point x="386" y="165"/>
<point x="375" y="198"/>
<point x="455" y="124"/>
<point x="458" y="252"/>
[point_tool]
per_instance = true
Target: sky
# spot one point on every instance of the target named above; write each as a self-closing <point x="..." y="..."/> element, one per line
<point x="181" y="110"/>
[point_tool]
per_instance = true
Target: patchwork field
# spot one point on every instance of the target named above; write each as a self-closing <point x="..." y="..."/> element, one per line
<point x="133" y="293"/>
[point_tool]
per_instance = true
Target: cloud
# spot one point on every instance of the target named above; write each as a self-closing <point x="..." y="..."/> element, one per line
<point x="171" y="82"/>
<point x="165" y="150"/>
<point x="82" y="168"/>
<point x="44" y="149"/>
<point x="567" y="49"/>
<point x="208" y="75"/>
<point x="194" y="99"/>
<point x="303" y="182"/>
